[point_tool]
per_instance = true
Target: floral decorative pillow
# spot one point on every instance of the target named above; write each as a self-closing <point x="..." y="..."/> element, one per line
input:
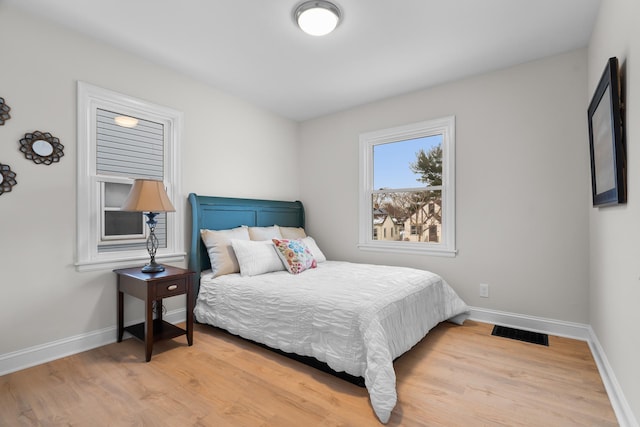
<point x="295" y="255"/>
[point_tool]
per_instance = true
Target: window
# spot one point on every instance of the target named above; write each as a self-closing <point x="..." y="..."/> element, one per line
<point x="121" y="138"/>
<point x="408" y="173"/>
<point x="118" y="226"/>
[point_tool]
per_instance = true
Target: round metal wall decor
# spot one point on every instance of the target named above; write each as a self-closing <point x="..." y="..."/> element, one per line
<point x="41" y="147"/>
<point x="4" y="112"/>
<point x="7" y="179"/>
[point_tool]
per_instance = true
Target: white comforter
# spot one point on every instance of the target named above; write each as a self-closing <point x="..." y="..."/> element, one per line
<point x="356" y="318"/>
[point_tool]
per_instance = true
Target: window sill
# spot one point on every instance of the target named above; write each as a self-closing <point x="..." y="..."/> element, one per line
<point x="110" y="264"/>
<point x="408" y="248"/>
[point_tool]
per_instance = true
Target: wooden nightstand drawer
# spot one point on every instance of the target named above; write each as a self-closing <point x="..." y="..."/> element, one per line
<point x="170" y="288"/>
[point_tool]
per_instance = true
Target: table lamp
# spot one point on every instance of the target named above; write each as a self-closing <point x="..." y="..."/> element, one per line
<point x="150" y="197"/>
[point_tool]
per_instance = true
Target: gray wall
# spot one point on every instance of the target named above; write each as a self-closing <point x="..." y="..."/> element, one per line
<point x="615" y="231"/>
<point x="229" y="149"/>
<point x="522" y="184"/>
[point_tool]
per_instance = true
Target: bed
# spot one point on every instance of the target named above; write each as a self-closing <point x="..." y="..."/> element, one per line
<point x="355" y="318"/>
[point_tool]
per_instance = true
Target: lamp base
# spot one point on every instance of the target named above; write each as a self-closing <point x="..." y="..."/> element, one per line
<point x="152" y="268"/>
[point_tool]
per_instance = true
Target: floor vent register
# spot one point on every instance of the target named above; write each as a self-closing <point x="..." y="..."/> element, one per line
<point x="521" y="335"/>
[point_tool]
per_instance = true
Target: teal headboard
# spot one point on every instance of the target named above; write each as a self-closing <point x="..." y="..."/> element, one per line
<point x="220" y="213"/>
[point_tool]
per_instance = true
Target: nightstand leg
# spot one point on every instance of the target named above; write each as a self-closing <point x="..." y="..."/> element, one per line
<point x="148" y="334"/>
<point x="120" y="316"/>
<point x="190" y="304"/>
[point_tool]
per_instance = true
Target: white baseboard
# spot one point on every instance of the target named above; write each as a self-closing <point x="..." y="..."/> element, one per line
<point x="32" y="356"/>
<point x="577" y="331"/>
<point x="620" y="404"/>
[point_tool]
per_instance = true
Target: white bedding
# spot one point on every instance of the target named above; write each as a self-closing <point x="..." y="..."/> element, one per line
<point x="356" y="318"/>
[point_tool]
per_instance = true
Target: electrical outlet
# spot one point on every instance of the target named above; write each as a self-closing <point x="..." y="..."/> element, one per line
<point x="484" y="290"/>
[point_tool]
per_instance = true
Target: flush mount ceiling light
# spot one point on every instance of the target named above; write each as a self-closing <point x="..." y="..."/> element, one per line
<point x="317" y="17"/>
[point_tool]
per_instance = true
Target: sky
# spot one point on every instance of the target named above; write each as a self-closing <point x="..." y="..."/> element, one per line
<point x="391" y="162"/>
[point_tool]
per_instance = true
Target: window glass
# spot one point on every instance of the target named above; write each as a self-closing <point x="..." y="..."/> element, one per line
<point x="408" y="164"/>
<point x="127" y="146"/>
<point x="115" y="194"/>
<point x="123" y="224"/>
<point x="118" y="224"/>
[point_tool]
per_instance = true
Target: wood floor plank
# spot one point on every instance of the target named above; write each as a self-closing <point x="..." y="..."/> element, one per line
<point x="456" y="376"/>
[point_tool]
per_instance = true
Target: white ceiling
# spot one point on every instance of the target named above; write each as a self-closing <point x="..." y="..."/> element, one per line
<point x="382" y="48"/>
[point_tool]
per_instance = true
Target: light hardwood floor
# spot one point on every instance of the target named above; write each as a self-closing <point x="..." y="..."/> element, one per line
<point x="456" y="376"/>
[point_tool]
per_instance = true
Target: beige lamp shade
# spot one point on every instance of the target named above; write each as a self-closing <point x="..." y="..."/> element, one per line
<point x="147" y="195"/>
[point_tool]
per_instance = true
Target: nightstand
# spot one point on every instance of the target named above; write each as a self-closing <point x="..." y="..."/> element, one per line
<point x="151" y="287"/>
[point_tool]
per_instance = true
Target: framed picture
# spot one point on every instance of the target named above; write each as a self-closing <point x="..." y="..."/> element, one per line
<point x="608" y="160"/>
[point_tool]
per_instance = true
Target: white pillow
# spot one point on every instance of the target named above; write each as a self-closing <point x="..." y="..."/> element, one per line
<point x="265" y="233"/>
<point x="292" y="232"/>
<point x="314" y="249"/>
<point x="256" y="257"/>
<point x="221" y="254"/>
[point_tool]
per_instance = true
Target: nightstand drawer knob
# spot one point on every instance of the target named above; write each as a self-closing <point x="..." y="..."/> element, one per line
<point x="172" y="287"/>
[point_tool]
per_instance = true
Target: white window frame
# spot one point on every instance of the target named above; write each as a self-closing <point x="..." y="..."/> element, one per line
<point x="443" y="126"/>
<point x="121" y="238"/>
<point x="88" y="234"/>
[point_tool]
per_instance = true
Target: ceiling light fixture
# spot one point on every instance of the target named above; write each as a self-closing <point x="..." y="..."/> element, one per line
<point x="317" y="17"/>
